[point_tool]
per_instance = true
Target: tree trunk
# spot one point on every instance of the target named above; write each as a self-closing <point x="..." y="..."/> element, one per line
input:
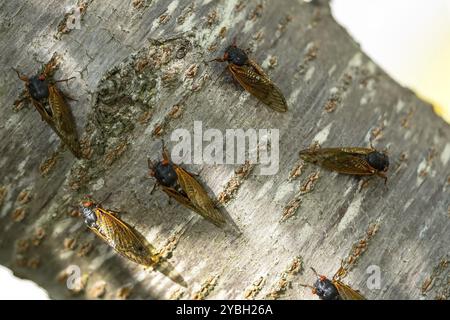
<point x="141" y="72"/>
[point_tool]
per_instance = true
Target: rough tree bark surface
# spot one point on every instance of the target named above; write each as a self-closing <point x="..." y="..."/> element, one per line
<point x="140" y="73"/>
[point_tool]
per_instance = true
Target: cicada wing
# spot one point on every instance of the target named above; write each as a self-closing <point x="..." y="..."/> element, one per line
<point x="256" y="82"/>
<point x="356" y="150"/>
<point x="43" y="112"/>
<point x="346" y="292"/>
<point x="317" y="154"/>
<point x="323" y="153"/>
<point x="63" y="121"/>
<point x="342" y="160"/>
<point x="199" y="197"/>
<point x="131" y="244"/>
<point x="124" y="238"/>
<point x="349" y="164"/>
<point x="181" y="198"/>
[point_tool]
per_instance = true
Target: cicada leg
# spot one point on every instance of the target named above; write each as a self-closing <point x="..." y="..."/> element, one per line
<point x="383" y="175"/>
<point x="341" y="273"/>
<point x="50" y="66"/>
<point x="365" y="183"/>
<point x="21" y="77"/>
<point x="18" y="104"/>
<point x="313" y="290"/>
<point x="165" y="154"/>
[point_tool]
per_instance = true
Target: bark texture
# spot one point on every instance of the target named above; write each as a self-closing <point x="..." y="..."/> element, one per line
<point x="141" y="73"/>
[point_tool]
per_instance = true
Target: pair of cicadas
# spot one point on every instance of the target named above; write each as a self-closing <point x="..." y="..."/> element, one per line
<point x="333" y="289"/>
<point x="253" y="78"/>
<point x="352" y="161"/>
<point x="50" y="102"/>
<point x="125" y="239"/>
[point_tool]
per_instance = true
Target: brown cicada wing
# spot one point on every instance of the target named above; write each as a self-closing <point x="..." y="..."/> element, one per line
<point x="124" y="238"/>
<point x="199" y="197"/>
<point x="181" y="198"/>
<point x="349" y="164"/>
<point x="63" y="121"/>
<point x="326" y="152"/>
<point x="253" y="79"/>
<point x="317" y="155"/>
<point x="342" y="160"/>
<point x="346" y="292"/>
<point x="356" y="150"/>
<point x="131" y="244"/>
<point x="45" y="114"/>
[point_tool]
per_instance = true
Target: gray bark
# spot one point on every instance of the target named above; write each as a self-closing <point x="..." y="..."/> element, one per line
<point x="140" y="73"/>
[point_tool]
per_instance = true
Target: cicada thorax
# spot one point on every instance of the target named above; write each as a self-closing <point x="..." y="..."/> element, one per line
<point x="90" y="217"/>
<point x="325" y="289"/>
<point x="378" y="161"/>
<point x="51" y="104"/>
<point x="39" y="93"/>
<point x="38" y="87"/>
<point x="164" y="172"/>
<point x="185" y="189"/>
<point x="253" y="78"/>
<point x="236" y="56"/>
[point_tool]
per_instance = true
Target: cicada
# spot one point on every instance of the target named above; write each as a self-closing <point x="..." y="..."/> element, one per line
<point x="183" y="187"/>
<point x="333" y="289"/>
<point x="125" y="239"/>
<point x="253" y="78"/>
<point x="51" y="104"/>
<point x="351" y="160"/>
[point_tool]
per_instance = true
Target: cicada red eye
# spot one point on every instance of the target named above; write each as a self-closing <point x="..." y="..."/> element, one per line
<point x="87" y="204"/>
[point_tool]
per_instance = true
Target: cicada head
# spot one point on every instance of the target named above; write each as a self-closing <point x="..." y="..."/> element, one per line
<point x="325" y="289"/>
<point x="90" y="218"/>
<point x="38" y="87"/>
<point x="163" y="171"/>
<point x="378" y="161"/>
<point x="235" y="55"/>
